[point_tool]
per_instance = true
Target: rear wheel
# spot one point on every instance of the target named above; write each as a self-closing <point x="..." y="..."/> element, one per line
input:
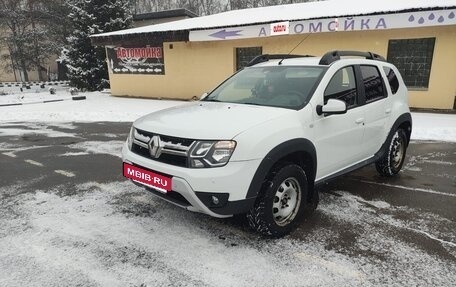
<point x="391" y="162"/>
<point x="281" y="202"/>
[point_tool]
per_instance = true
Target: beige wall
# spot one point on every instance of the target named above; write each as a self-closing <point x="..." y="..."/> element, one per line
<point x="193" y="68"/>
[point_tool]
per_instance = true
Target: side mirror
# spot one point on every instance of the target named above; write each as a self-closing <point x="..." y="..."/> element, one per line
<point x="332" y="107"/>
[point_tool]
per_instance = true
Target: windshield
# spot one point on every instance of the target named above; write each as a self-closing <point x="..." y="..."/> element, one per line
<point x="277" y="86"/>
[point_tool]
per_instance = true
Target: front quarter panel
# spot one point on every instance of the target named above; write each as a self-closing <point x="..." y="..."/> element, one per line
<point x="258" y="141"/>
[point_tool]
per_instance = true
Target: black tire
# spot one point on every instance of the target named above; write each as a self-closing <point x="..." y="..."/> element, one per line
<point x="391" y="162"/>
<point x="289" y="181"/>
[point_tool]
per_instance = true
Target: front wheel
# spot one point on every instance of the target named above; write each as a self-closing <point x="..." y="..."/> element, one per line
<point x="281" y="202"/>
<point x="391" y="162"/>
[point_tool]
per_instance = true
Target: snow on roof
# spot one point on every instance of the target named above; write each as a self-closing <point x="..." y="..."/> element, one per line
<point x="165" y="14"/>
<point x="289" y="12"/>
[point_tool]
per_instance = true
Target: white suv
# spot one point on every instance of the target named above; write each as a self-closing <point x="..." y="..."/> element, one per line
<point x="260" y="142"/>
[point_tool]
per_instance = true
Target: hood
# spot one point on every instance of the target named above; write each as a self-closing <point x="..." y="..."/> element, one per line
<point x="207" y="120"/>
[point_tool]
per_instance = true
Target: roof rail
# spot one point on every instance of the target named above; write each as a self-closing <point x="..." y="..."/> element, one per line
<point x="267" y="57"/>
<point x="333" y="56"/>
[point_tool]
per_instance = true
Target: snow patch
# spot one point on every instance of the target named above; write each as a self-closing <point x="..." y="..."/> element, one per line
<point x="12" y="150"/>
<point x="427" y="126"/>
<point x="85" y="236"/>
<point x="100" y="147"/>
<point x="413" y="168"/>
<point x="74" y="153"/>
<point x="96" y="108"/>
<point x="108" y="135"/>
<point x="34" y="128"/>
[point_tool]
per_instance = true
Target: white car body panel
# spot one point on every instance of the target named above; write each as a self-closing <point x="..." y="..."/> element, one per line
<point x="207" y="120"/>
<point x="234" y="178"/>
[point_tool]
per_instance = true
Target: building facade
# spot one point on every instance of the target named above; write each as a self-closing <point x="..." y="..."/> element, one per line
<point x="184" y="59"/>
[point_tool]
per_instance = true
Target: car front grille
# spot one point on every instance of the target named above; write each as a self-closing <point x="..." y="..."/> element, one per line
<point x="162" y="148"/>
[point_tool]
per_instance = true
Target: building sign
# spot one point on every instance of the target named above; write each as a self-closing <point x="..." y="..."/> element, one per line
<point x="358" y="23"/>
<point x="136" y="60"/>
<point x="281" y="28"/>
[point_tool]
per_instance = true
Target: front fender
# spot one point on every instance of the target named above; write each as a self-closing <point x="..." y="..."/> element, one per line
<point x="279" y="152"/>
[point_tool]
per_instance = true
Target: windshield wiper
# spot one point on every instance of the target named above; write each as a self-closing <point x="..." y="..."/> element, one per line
<point x="210" y="100"/>
<point x="255" y="104"/>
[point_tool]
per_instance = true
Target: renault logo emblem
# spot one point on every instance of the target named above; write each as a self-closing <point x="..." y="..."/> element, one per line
<point x="155" y="146"/>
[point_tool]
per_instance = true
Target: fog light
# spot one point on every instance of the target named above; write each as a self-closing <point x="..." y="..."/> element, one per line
<point x="215" y="200"/>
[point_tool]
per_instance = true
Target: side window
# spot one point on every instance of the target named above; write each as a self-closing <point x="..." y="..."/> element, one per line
<point x="392" y="79"/>
<point x="373" y="85"/>
<point x="343" y="87"/>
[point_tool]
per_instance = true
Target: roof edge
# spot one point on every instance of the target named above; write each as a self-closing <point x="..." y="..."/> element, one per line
<point x="100" y="39"/>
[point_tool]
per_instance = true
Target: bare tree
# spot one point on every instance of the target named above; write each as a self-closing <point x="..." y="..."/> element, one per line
<point x="30" y="34"/>
<point x="210" y="7"/>
<point x="205" y="7"/>
<point x="15" y="22"/>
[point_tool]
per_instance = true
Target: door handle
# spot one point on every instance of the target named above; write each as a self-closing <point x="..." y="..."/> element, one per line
<point x="359" y="121"/>
<point x="387" y="111"/>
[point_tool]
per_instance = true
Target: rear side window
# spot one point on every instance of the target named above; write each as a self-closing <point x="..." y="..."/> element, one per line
<point x="373" y="84"/>
<point x="392" y="79"/>
<point x="343" y="87"/>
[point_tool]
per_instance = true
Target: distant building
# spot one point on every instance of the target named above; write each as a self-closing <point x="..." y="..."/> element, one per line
<point x="55" y="70"/>
<point x="186" y="58"/>
<point x="160" y="17"/>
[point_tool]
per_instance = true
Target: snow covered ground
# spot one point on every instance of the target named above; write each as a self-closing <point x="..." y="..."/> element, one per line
<point x="78" y="230"/>
<point x="103" y="107"/>
<point x="97" y="107"/>
<point x="427" y="126"/>
<point x="117" y="235"/>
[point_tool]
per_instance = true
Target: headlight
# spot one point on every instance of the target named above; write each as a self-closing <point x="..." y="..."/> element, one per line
<point x="211" y="153"/>
<point x="131" y="138"/>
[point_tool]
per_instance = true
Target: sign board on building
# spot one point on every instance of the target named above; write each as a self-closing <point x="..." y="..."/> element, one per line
<point x="281" y="28"/>
<point x="358" y="23"/>
<point x="136" y="60"/>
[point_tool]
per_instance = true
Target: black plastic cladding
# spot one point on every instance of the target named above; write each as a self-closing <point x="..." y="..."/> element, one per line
<point x="333" y="56"/>
<point x="327" y="59"/>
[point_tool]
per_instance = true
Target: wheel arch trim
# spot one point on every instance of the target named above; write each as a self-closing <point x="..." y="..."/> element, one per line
<point x="402" y="119"/>
<point x="279" y="152"/>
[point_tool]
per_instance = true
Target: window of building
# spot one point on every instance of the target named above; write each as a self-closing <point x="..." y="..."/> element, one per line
<point x="413" y="58"/>
<point x="373" y="84"/>
<point x="343" y="87"/>
<point x="245" y="55"/>
<point x="392" y="79"/>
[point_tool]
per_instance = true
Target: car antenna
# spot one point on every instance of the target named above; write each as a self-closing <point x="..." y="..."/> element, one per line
<point x="280" y="62"/>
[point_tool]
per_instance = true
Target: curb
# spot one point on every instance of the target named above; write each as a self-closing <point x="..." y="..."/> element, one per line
<point x="32" y="83"/>
<point x="75" y="98"/>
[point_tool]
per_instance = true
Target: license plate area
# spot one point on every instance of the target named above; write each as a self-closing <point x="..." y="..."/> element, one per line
<point x="147" y="178"/>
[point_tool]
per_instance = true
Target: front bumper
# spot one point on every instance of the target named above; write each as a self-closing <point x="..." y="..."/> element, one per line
<point x="195" y="186"/>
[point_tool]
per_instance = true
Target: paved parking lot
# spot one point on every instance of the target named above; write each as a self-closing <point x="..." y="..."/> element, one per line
<point x="68" y="218"/>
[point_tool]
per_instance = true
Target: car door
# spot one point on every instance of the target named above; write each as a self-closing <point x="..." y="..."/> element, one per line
<point x="339" y="137"/>
<point x="377" y="108"/>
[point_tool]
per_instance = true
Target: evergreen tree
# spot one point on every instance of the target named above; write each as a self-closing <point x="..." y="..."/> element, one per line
<point x="87" y="67"/>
